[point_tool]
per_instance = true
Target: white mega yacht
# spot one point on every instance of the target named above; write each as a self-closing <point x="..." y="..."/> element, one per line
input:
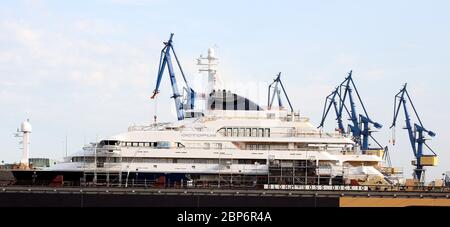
<point x="232" y="142"/>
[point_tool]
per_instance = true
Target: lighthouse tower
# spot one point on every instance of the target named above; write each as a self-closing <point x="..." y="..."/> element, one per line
<point x="25" y="129"/>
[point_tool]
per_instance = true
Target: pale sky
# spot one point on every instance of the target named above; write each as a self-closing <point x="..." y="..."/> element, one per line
<point x="86" y="69"/>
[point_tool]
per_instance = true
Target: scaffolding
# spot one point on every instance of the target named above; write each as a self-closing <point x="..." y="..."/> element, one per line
<point x="300" y="172"/>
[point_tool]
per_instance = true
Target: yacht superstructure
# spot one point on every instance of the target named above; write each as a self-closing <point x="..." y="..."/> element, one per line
<point x="239" y="144"/>
<point x="232" y="142"/>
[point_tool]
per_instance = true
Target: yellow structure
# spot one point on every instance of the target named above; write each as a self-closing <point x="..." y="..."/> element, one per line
<point x="429" y="160"/>
<point x="392" y="202"/>
<point x="378" y="152"/>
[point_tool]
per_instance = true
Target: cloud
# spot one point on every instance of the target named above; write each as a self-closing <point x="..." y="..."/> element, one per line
<point x="22" y="33"/>
<point x="346" y="59"/>
<point x="41" y="54"/>
<point x="92" y="78"/>
<point x="375" y="74"/>
<point x="95" y="26"/>
<point x="132" y="2"/>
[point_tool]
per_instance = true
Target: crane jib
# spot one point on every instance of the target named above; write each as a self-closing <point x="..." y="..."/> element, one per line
<point x="166" y="61"/>
<point x="359" y="127"/>
<point x="416" y="133"/>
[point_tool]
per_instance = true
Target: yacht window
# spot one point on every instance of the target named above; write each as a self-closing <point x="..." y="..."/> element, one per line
<point x="135" y="144"/>
<point x="207" y="146"/>
<point x="164" y="144"/>
<point x="252" y="161"/>
<point x="229" y="132"/>
<point x="235" y="132"/>
<point x="241" y="132"/>
<point x="109" y="142"/>
<point x="147" y="144"/>
<point x="267" y="134"/>
<point x="254" y="134"/>
<point x="248" y="132"/>
<point x="260" y="132"/>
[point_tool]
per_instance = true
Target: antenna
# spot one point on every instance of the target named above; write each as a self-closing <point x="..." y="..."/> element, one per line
<point x="66" y="144"/>
<point x="209" y="64"/>
<point x="24" y="133"/>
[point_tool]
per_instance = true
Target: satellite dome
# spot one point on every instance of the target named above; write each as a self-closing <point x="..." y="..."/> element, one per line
<point x="25" y="126"/>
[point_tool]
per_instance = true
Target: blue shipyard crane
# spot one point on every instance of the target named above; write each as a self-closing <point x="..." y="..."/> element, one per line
<point x="330" y="100"/>
<point x="416" y="134"/>
<point x="166" y="59"/>
<point x="275" y="90"/>
<point x="359" y="125"/>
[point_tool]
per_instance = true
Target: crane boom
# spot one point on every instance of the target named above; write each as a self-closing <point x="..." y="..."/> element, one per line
<point x="277" y="92"/>
<point x="415" y="132"/>
<point x="166" y="60"/>
<point x="359" y="127"/>
<point x="331" y="101"/>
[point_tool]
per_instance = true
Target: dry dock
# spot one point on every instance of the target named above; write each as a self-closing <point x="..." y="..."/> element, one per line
<point x="146" y="197"/>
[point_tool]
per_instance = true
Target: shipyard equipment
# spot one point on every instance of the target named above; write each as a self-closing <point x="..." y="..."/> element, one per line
<point x="182" y="105"/>
<point x="359" y="126"/>
<point x="447" y="179"/>
<point x="24" y="132"/>
<point x="274" y="90"/>
<point x="416" y="134"/>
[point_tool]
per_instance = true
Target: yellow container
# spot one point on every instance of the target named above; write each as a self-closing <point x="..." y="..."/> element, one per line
<point x="396" y="170"/>
<point x="378" y="153"/>
<point x="411" y="182"/>
<point x="429" y="160"/>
